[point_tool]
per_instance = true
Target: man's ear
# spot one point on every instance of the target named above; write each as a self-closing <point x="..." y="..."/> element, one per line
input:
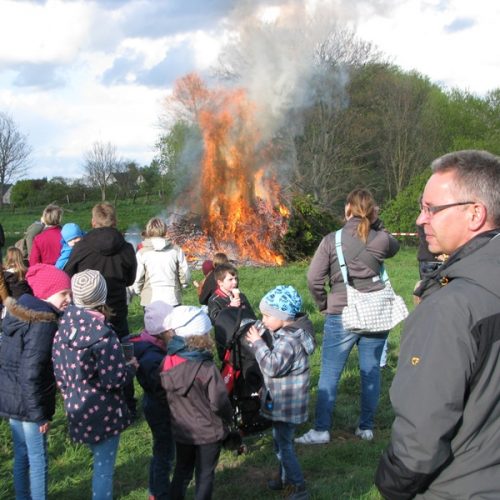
<point x="478" y="216"/>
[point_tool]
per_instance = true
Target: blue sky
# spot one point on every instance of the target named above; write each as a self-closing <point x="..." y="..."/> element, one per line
<point x="73" y="72"/>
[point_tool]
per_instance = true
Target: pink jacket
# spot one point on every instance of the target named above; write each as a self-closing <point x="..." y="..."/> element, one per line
<point x="46" y="246"/>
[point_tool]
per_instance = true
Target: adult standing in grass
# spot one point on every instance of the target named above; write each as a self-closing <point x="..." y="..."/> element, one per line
<point x="365" y="245"/>
<point x="91" y="371"/>
<point x="46" y="246"/>
<point x="445" y="440"/>
<point x="162" y="268"/>
<point x="27" y="383"/>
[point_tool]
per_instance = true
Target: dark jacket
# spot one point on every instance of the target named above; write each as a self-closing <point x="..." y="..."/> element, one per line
<point x="208" y="288"/>
<point x="324" y="267"/>
<point x="91" y="372"/>
<point x="105" y="250"/>
<point x="27" y="384"/>
<point x="149" y="354"/>
<point x="199" y="405"/>
<point x="16" y="287"/>
<point x="219" y="301"/>
<point x="445" y="440"/>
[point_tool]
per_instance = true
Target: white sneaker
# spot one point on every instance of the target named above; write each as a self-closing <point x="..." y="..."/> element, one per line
<point x="314" y="437"/>
<point x="365" y="434"/>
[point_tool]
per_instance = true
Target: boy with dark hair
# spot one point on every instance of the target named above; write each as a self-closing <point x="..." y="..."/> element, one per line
<point x="227" y="293"/>
<point x="285" y="367"/>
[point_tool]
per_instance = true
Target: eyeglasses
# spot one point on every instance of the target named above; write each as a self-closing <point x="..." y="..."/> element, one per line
<point x="430" y="211"/>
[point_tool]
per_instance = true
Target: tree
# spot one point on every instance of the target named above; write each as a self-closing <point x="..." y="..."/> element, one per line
<point x="100" y="163"/>
<point x="14" y="152"/>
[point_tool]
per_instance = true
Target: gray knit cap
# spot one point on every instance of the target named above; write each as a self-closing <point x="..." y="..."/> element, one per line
<point x="89" y="289"/>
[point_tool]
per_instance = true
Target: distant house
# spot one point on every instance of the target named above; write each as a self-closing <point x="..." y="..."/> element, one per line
<point x="6" y="192"/>
<point x="125" y="179"/>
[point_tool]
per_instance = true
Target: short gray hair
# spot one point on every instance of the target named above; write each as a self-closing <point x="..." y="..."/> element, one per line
<point x="477" y="177"/>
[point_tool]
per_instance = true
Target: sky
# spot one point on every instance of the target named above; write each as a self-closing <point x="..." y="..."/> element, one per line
<point x="76" y="72"/>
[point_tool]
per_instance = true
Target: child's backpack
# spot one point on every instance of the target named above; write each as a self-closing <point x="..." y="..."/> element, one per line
<point x="240" y="370"/>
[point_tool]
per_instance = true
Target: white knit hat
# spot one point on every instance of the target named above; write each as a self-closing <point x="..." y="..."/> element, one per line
<point x="156" y="316"/>
<point x="89" y="289"/>
<point x="188" y="321"/>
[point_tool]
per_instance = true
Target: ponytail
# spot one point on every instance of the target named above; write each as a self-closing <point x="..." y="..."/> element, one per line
<point x="362" y="205"/>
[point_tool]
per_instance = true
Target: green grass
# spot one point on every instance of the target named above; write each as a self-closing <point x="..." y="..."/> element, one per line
<point x="343" y="469"/>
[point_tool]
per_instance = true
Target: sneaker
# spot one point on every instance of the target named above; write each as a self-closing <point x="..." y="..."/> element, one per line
<point x="296" y="492"/>
<point x="365" y="434"/>
<point x="314" y="437"/>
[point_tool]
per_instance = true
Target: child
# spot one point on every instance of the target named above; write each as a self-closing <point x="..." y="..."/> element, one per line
<point x="227" y="293"/>
<point x="15" y="273"/>
<point x="71" y="234"/>
<point x="150" y="349"/>
<point x="27" y="384"/>
<point x="285" y="368"/>
<point x="208" y="286"/>
<point x="197" y="397"/>
<point x="91" y="371"/>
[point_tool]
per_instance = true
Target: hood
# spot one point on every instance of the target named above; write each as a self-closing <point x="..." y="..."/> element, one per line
<point x="71" y="231"/>
<point x="28" y="309"/>
<point x="303" y="330"/>
<point x="75" y="319"/>
<point x="157" y="244"/>
<point x="478" y="261"/>
<point x="180" y="378"/>
<point x="105" y="240"/>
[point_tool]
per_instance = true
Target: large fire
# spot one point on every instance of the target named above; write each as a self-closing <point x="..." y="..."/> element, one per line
<point x="240" y="209"/>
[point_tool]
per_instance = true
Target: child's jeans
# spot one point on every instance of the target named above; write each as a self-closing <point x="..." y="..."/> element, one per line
<point x="30" y="460"/>
<point x="290" y="470"/>
<point x="104" y="454"/>
<point x="201" y="458"/>
<point x="158" y="418"/>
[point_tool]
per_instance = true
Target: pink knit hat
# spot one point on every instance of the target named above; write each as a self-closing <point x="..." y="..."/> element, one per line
<point x="46" y="280"/>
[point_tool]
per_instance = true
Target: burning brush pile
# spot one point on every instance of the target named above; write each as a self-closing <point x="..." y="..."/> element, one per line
<point x="234" y="205"/>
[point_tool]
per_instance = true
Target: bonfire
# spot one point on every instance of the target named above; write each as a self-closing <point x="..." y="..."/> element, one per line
<point x="237" y="198"/>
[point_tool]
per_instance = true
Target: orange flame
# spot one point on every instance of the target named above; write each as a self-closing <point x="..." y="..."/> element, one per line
<point x="240" y="207"/>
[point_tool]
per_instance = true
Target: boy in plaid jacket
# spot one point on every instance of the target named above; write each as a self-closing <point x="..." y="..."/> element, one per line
<point x="285" y="368"/>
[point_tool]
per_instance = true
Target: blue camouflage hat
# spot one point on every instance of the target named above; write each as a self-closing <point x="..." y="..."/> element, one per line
<point x="282" y="302"/>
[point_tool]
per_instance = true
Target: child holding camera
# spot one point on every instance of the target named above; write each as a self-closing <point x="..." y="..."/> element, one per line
<point x="285" y="367"/>
<point x="91" y="371"/>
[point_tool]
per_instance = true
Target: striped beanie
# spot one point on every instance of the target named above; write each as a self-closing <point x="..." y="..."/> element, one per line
<point x="89" y="289"/>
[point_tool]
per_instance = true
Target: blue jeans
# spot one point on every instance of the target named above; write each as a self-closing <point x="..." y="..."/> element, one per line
<point x="158" y="418"/>
<point x="30" y="460"/>
<point x="290" y="470"/>
<point x="104" y="454"/>
<point x="337" y="344"/>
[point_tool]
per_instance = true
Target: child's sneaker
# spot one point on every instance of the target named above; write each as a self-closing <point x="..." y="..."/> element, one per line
<point x="366" y="434"/>
<point x="314" y="437"/>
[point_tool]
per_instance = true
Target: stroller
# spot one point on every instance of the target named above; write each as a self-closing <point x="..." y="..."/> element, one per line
<point x="240" y="370"/>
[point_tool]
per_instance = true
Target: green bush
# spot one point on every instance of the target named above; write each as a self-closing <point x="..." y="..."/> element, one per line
<point x="400" y="214"/>
<point x="308" y="224"/>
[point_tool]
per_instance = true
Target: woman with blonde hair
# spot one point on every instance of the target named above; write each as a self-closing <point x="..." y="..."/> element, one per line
<point x="162" y="268"/>
<point x="365" y="245"/>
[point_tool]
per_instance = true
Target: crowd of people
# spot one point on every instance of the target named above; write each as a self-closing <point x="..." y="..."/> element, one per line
<point x="65" y="296"/>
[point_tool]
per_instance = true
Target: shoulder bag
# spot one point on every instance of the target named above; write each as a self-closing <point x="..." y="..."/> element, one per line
<point x="370" y="312"/>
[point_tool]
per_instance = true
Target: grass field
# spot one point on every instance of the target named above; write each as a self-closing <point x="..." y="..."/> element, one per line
<point x="343" y="469"/>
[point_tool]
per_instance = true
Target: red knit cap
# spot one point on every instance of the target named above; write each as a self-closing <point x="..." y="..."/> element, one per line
<point x="207" y="266"/>
<point x="46" y="280"/>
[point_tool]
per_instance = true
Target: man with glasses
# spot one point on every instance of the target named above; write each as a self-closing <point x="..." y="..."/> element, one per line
<point x="445" y="440"/>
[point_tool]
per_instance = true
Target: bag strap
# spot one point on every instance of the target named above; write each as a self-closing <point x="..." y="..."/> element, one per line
<point x="343" y="267"/>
